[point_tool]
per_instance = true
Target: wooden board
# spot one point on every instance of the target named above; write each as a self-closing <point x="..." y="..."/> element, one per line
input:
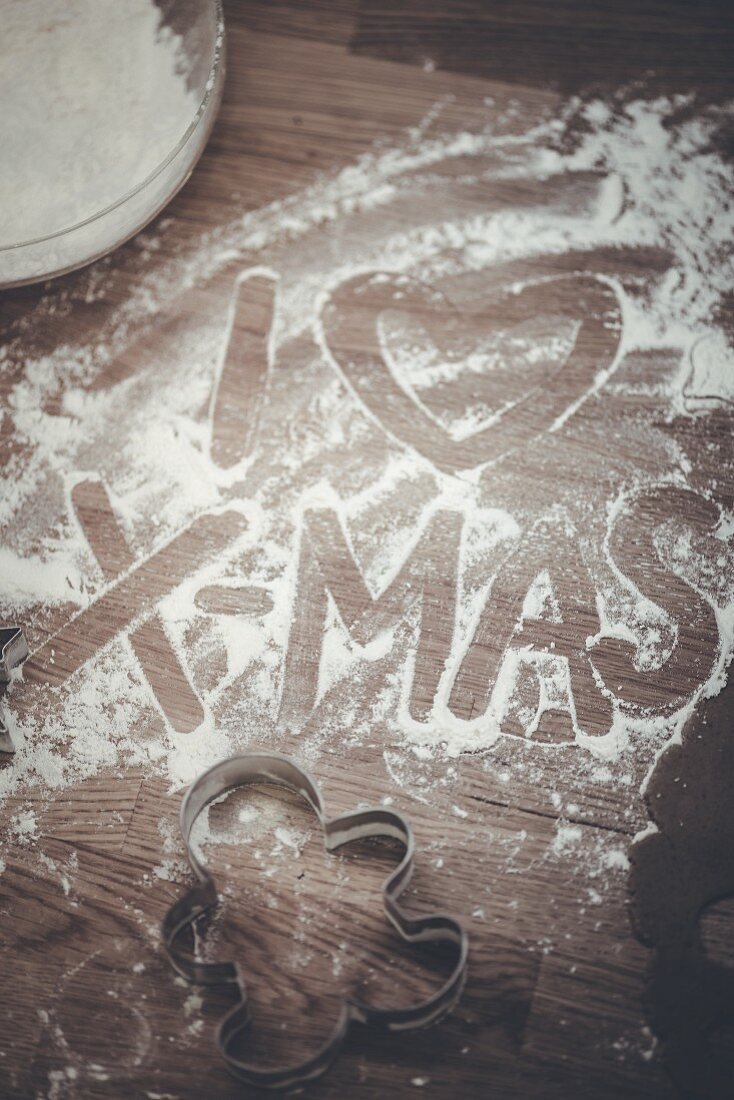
<point x="555" y="1001"/>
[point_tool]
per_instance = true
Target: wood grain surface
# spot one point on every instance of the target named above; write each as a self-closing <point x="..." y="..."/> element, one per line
<point x="558" y="997"/>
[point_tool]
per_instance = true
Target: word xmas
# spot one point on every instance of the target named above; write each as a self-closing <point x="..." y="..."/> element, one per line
<point x="602" y="669"/>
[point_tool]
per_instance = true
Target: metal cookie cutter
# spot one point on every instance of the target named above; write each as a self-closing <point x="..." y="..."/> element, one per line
<point x="265" y="767"/>
<point x="13" y="651"/>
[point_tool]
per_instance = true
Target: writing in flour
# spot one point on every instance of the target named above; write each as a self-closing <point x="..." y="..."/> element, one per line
<point x="438" y="444"/>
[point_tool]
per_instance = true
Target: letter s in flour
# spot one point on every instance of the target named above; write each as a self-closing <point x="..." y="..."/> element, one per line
<point x="633" y="548"/>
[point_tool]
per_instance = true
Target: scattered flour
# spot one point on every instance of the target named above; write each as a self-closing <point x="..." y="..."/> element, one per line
<point x="24" y="827"/>
<point x="567" y="836"/>
<point x="617" y="860"/>
<point x="642" y="176"/>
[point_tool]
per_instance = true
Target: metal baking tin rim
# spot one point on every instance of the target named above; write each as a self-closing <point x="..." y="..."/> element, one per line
<point x="13" y="652"/>
<point x="277" y="769"/>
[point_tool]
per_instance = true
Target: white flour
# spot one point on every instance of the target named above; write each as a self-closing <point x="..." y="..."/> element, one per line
<point x="658" y="184"/>
<point x="94" y="98"/>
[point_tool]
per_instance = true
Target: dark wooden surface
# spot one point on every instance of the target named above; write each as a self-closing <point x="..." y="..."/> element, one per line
<point x="555" y="1002"/>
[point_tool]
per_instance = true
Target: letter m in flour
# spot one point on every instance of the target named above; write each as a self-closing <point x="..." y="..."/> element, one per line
<point x="422" y="591"/>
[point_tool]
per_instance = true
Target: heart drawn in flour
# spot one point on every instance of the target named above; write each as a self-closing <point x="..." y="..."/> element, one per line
<point x="465" y="387"/>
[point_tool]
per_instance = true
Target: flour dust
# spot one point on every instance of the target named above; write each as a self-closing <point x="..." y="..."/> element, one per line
<point x="458" y="449"/>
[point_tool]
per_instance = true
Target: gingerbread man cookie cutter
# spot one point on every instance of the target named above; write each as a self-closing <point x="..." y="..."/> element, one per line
<point x="273" y="768"/>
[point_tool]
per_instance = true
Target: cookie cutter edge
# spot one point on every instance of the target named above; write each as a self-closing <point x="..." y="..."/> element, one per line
<point x="277" y="769"/>
<point x="13" y="652"/>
